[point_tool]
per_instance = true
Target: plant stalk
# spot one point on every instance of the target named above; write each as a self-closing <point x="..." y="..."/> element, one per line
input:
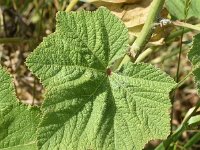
<point x="186" y="25"/>
<point x="145" y="34"/>
<point x="144" y="54"/>
<point x="71" y="5"/>
<point x="183" y="80"/>
<point x="187" y="4"/>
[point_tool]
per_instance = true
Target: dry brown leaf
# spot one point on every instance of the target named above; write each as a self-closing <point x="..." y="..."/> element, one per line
<point x="134" y="17"/>
<point x="131" y="14"/>
<point x="161" y="32"/>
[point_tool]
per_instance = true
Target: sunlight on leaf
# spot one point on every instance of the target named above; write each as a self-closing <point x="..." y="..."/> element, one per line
<point x="87" y="105"/>
<point x="18" y="123"/>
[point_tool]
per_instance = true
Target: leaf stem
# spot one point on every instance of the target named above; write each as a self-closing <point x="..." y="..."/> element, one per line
<point x="171" y="37"/>
<point x="144" y="54"/>
<point x="183" y="80"/>
<point x="147" y="30"/>
<point x="71" y="5"/>
<point x="186" y="25"/>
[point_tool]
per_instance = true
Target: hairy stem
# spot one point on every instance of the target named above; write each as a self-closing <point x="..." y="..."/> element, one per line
<point x="147" y="30"/>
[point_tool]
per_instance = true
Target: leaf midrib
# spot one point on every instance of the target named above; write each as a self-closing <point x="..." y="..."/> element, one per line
<point x="77" y="35"/>
<point x="74" y="113"/>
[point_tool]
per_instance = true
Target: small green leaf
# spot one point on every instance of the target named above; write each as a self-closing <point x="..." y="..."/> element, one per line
<point x="87" y="105"/>
<point x="194" y="57"/>
<point x="18" y="123"/>
<point x="177" y="8"/>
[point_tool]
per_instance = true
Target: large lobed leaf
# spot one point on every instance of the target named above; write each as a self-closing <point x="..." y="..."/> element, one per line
<point x="177" y="8"/>
<point x="194" y="57"/>
<point x="87" y="106"/>
<point x="18" y="123"/>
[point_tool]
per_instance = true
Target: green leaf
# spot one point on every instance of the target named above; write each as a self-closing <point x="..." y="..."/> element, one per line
<point x="87" y="105"/>
<point x="194" y="121"/>
<point x="17" y="122"/>
<point x="177" y="8"/>
<point x="194" y="57"/>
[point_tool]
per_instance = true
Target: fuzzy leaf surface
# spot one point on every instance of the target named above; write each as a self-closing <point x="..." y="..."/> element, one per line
<point x="18" y="123"/>
<point x="87" y="106"/>
<point x="194" y="57"/>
